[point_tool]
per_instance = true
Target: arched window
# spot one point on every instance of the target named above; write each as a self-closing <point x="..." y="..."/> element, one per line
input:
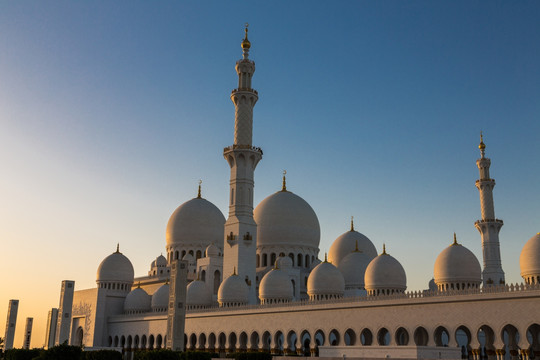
<point x="203" y="275"/>
<point x="258" y="260"/>
<point x="265" y="260"/>
<point x="299" y="262"/>
<point x="272" y="259"/>
<point x="198" y="256"/>
<point x="307" y="261"/>
<point x="291" y="255"/>
<point x="217" y="281"/>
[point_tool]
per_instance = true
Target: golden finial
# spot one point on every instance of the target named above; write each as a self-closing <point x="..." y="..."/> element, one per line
<point x="276" y="267"/>
<point x="455" y="240"/>
<point x="245" y="43"/>
<point x="117" y="248"/>
<point x="352" y="223"/>
<point x="199" y="193"/>
<point x="325" y="257"/>
<point x="482" y="146"/>
<point x="284" y="186"/>
<point x="384" y="249"/>
<point x="139" y="285"/>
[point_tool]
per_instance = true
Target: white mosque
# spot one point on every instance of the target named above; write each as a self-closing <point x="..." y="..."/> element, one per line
<point x="254" y="281"/>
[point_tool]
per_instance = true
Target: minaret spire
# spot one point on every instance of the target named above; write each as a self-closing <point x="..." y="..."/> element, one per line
<point x="240" y="227"/>
<point x="199" y="192"/>
<point x="489" y="226"/>
<point x="284" y="185"/>
<point x="352" y="224"/>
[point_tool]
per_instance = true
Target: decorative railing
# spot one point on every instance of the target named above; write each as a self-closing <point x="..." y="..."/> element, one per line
<point x="245" y="89"/>
<point x="243" y="147"/>
<point x="488" y="221"/>
<point x="508" y="288"/>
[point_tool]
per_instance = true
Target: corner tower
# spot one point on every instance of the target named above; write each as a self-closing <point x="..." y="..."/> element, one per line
<point x="240" y="228"/>
<point x="489" y="226"/>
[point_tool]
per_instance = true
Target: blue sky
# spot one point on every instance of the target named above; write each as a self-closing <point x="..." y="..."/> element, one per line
<point x="110" y="113"/>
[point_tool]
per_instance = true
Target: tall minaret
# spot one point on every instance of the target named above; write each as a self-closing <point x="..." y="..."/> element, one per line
<point x="240" y="228"/>
<point x="489" y="226"/>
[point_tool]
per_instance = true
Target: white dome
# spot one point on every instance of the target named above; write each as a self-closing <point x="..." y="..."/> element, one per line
<point x="196" y="222"/>
<point x="276" y="285"/>
<point x="115" y="267"/>
<point x="160" y="299"/>
<point x="385" y="273"/>
<point x="353" y="267"/>
<point x="457" y="264"/>
<point x="233" y="290"/>
<point x="197" y="294"/>
<point x="346" y="243"/>
<point x="284" y="262"/>
<point x="529" y="260"/>
<point x="137" y="300"/>
<point x="286" y="219"/>
<point x="161" y="261"/>
<point x="325" y="280"/>
<point x="212" y="251"/>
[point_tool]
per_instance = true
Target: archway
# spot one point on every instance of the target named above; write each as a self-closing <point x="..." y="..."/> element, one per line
<point x="221" y="342"/>
<point x="143" y="342"/>
<point x="202" y="342"/>
<point x="212" y="342"/>
<point x="510" y="338"/>
<point x="78" y="337"/>
<point x="333" y="338"/>
<point x="366" y="337"/>
<point x="278" y="343"/>
<point x="319" y="338"/>
<point x="192" y="342"/>
<point x="266" y="340"/>
<point x="383" y="337"/>
<point x="463" y="339"/>
<point x="151" y="341"/>
<point x="305" y="343"/>
<point x="349" y="337"/>
<point x="232" y="342"/>
<point x="291" y="343"/>
<point x="486" y="338"/>
<point x="242" y="342"/>
<point x="136" y="342"/>
<point x="116" y="340"/>
<point x="441" y="336"/>
<point x="421" y="336"/>
<point x="402" y="337"/>
<point x="159" y="341"/>
<point x="254" y="340"/>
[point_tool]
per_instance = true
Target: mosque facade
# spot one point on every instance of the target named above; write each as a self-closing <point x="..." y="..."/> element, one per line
<point x="254" y="281"/>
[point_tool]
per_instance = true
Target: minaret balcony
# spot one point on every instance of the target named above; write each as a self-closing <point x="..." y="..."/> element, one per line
<point x="242" y="147"/>
<point x="488" y="221"/>
<point x="234" y="91"/>
<point x="485" y="180"/>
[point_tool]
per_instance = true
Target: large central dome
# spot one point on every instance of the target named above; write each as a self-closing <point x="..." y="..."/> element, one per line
<point x="196" y="222"/>
<point x="286" y="219"/>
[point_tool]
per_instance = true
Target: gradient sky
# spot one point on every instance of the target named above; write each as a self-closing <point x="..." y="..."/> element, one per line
<point x="110" y="113"/>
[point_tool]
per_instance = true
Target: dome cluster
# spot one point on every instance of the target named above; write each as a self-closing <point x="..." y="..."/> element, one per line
<point x="233" y="292"/>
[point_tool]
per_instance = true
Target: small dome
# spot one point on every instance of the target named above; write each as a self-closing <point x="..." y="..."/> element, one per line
<point x="161" y="261"/>
<point x="212" y="251"/>
<point x="325" y="281"/>
<point x="196" y="222"/>
<point x="160" y="299"/>
<point x="457" y="265"/>
<point x="353" y="267"/>
<point x="529" y="260"/>
<point x="197" y="294"/>
<point x="233" y="291"/>
<point x="137" y="300"/>
<point x="285" y="219"/>
<point x="284" y="262"/>
<point x="385" y="273"/>
<point x="115" y="267"/>
<point x="276" y="286"/>
<point x="347" y="243"/>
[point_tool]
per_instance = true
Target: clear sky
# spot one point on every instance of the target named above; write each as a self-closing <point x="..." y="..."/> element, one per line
<point x="110" y="113"/>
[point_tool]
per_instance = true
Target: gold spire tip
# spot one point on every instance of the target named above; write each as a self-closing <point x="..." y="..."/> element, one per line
<point x="384" y="249"/>
<point x="482" y="146"/>
<point x="118" y="247"/>
<point x="245" y="43"/>
<point x="199" y="192"/>
<point x="455" y="240"/>
<point x="284" y="185"/>
<point x="139" y="285"/>
<point x="352" y="223"/>
<point x="325" y="257"/>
